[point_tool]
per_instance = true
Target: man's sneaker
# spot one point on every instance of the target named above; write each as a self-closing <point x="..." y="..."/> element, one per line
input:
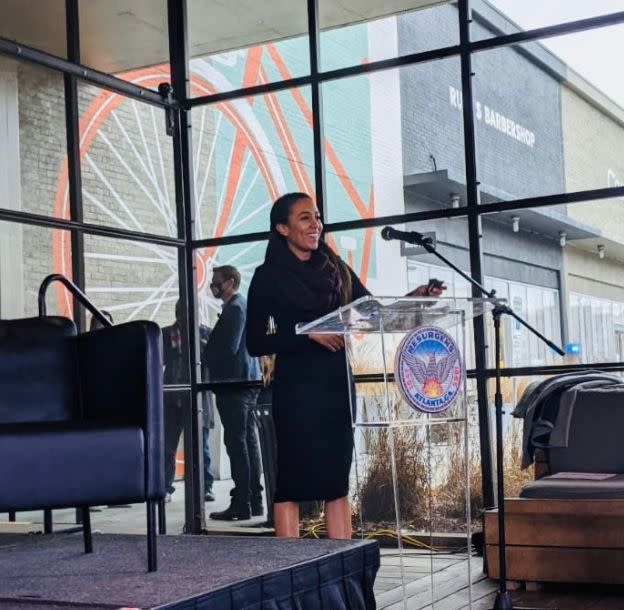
<point x="233" y="513"/>
<point x="167" y="497"/>
<point x="209" y="496"/>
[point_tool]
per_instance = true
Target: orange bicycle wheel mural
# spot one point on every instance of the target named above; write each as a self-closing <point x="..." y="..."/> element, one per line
<point x="246" y="152"/>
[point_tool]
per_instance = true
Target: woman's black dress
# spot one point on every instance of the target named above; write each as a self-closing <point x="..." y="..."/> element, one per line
<point x="310" y="394"/>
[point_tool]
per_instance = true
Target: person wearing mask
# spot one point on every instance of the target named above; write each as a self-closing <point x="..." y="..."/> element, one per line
<point x="301" y="280"/>
<point x="228" y="360"/>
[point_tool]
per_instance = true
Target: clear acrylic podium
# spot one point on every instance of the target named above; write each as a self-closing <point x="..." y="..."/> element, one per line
<point x="412" y="470"/>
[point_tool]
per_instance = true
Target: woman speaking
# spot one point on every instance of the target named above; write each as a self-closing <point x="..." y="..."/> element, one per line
<point x="303" y="279"/>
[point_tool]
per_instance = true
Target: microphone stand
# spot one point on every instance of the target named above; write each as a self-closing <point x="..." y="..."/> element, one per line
<point x="503" y="599"/>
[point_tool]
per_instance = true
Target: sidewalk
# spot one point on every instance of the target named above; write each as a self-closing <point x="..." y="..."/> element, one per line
<point x="131" y="519"/>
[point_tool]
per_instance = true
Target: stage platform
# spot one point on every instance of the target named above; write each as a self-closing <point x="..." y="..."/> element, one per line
<point x="195" y="573"/>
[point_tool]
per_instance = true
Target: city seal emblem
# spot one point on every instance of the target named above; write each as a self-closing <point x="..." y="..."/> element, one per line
<point x="428" y="369"/>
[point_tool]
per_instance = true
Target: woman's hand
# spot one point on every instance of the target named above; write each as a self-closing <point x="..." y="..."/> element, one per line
<point x="434" y="288"/>
<point x="333" y="343"/>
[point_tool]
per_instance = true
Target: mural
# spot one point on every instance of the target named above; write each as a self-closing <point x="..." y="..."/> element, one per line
<point x="246" y="153"/>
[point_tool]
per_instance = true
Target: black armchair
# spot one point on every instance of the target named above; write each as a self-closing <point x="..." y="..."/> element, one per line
<point x="81" y="421"/>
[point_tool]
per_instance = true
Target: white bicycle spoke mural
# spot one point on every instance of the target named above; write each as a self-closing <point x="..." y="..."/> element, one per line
<point x="245" y="154"/>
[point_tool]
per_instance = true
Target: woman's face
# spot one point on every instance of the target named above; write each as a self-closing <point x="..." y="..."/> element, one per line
<point x="303" y="230"/>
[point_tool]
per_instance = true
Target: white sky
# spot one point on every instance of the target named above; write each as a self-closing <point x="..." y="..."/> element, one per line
<point x="595" y="54"/>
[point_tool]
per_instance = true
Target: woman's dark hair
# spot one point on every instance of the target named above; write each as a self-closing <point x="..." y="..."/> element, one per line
<point x="279" y="216"/>
<point x="281" y="208"/>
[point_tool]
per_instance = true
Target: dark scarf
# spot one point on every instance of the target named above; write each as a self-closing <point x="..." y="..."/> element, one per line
<point x="312" y="285"/>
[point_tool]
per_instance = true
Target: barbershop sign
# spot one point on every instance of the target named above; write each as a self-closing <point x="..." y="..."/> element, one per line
<point x="495" y="119"/>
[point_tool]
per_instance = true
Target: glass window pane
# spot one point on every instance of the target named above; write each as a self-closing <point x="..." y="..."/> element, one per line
<point x="542" y="127"/>
<point x="247" y="153"/>
<point x="38" y="23"/>
<point x="355" y="32"/>
<point x="130" y="518"/>
<point x="508" y="16"/>
<point x="176" y="409"/>
<point x="392" y="268"/>
<point x="130" y="279"/>
<point x="27" y="255"/>
<point x="594" y="274"/>
<point x="588" y="268"/>
<point x="33" y="146"/>
<point x="127" y="164"/>
<point x="595" y="332"/>
<point x="525" y="267"/>
<point x="128" y="39"/>
<point x="518" y="127"/>
<point x="394" y="142"/>
<point x="244" y="258"/>
<point x="512" y="390"/>
<point x="233" y="46"/>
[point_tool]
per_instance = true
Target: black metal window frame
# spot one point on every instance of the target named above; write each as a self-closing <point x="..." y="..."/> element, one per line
<point x="180" y="104"/>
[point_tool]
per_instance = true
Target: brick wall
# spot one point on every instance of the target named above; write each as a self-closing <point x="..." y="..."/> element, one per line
<point x="42" y="149"/>
<point x="128" y="182"/>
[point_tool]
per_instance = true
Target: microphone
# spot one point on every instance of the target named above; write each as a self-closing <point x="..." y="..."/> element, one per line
<point x="410" y="237"/>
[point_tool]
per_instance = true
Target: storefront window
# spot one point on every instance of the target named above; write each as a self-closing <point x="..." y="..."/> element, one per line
<point x="393" y="142"/>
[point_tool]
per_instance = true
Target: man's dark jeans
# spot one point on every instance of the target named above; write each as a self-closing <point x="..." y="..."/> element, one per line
<point x="241" y="442"/>
<point x="173" y="416"/>
<point x="208" y="475"/>
<point x="174" y="420"/>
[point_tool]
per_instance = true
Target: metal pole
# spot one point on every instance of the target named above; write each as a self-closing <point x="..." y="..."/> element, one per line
<point x="502" y="602"/>
<point x="185" y="203"/>
<point x="317" y="107"/>
<point x="474" y="236"/>
<point x="74" y="174"/>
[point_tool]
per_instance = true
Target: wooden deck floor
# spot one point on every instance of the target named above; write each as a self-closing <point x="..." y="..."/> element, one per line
<point x="450" y="587"/>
